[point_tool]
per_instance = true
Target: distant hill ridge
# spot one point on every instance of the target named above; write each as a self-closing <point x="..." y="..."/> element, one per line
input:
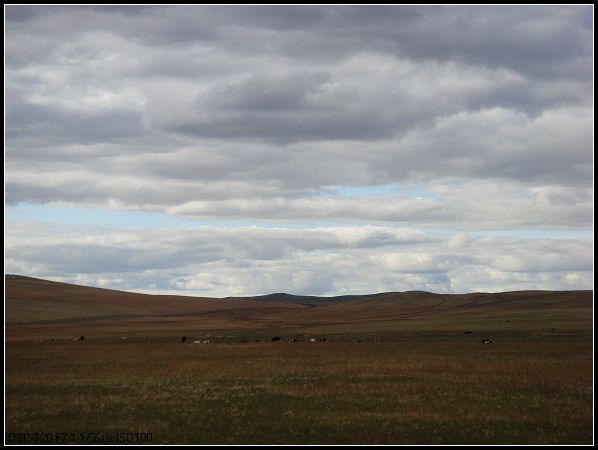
<point x="274" y="297"/>
<point x="281" y="297"/>
<point x="41" y="307"/>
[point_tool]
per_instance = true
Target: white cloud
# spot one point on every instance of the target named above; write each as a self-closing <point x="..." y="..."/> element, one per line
<point x="250" y="261"/>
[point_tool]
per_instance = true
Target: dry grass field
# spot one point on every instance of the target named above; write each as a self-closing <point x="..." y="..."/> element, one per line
<point x="396" y="369"/>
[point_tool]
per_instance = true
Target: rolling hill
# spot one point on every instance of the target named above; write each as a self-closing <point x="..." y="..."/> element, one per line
<point x="40" y="308"/>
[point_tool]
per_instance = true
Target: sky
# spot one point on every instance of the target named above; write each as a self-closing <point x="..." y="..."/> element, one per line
<point x="315" y="150"/>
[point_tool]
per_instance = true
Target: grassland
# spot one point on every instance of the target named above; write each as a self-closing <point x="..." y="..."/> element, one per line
<point x="415" y="377"/>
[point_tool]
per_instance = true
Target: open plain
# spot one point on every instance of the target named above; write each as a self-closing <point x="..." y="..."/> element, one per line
<point x="396" y="368"/>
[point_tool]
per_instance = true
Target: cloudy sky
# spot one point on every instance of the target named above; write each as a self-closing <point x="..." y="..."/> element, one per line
<point x="244" y="150"/>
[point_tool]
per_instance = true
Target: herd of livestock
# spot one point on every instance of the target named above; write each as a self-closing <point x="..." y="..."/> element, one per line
<point x="484" y="340"/>
<point x="274" y="339"/>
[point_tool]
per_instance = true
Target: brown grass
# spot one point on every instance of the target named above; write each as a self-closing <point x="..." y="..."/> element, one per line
<point x="415" y="378"/>
<point x="40" y="309"/>
<point x="424" y="390"/>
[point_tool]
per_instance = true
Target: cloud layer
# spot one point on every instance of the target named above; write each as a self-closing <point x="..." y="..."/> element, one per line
<point x="321" y="261"/>
<point x="271" y="114"/>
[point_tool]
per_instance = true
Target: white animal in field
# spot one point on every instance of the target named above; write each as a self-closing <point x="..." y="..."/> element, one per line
<point x="312" y="340"/>
<point x="123" y="338"/>
<point x="205" y="342"/>
<point x="197" y="342"/>
<point x="487" y="341"/>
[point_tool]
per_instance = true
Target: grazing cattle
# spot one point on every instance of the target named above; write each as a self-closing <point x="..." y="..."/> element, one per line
<point x="197" y="342"/>
<point x="357" y="341"/>
<point x="81" y="338"/>
<point x="312" y="340"/>
<point x="323" y="340"/>
<point x="123" y="338"/>
<point x="293" y="340"/>
<point x="205" y="342"/>
<point x="487" y="341"/>
<point x="276" y="339"/>
<point x="183" y="339"/>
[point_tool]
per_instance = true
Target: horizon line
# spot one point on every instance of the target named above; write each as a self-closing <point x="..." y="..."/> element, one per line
<point x="271" y="294"/>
